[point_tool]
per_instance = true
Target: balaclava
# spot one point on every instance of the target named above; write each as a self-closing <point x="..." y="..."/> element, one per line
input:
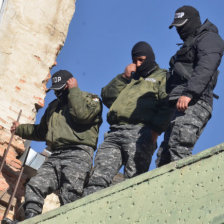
<point x="62" y="96"/>
<point x="187" y="21"/>
<point x="144" y="49"/>
<point x="59" y="80"/>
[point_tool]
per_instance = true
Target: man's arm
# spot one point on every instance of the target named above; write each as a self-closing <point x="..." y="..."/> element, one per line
<point x="83" y="107"/>
<point x="110" y="92"/>
<point x="31" y="131"/>
<point x="209" y="53"/>
<point x="163" y="112"/>
<point x="182" y="103"/>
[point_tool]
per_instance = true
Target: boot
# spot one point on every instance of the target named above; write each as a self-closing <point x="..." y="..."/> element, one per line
<point x="9" y="221"/>
<point x="30" y="214"/>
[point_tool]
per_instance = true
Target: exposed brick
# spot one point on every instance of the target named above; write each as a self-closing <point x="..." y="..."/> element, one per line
<point x="40" y="101"/>
<point x="3" y="121"/>
<point x="22" y="81"/>
<point x="17" y="88"/>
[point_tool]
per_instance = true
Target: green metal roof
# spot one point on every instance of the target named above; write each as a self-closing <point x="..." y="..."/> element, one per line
<point x="187" y="191"/>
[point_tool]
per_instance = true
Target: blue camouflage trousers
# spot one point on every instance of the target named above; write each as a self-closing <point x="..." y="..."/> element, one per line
<point x="65" y="170"/>
<point x="184" y="130"/>
<point x="128" y="145"/>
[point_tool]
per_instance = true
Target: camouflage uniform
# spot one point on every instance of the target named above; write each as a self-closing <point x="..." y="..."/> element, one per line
<point x="70" y="130"/>
<point x="128" y="145"/>
<point x="183" y="132"/>
<point x="66" y="170"/>
<point x="136" y="107"/>
<point x="193" y="74"/>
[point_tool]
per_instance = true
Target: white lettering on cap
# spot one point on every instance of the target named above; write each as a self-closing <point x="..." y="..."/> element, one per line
<point x="179" y="15"/>
<point x="56" y="79"/>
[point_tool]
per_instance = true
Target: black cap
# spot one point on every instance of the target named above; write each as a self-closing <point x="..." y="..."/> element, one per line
<point x="59" y="79"/>
<point x="183" y="14"/>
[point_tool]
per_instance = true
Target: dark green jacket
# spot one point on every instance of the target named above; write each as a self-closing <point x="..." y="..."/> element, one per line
<point x="76" y="122"/>
<point x="142" y="101"/>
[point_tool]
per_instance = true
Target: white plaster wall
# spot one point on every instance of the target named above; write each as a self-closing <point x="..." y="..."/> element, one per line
<point x="31" y="35"/>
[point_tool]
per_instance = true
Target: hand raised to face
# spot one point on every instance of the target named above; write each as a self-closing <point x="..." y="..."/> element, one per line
<point x="128" y="70"/>
<point x="72" y="82"/>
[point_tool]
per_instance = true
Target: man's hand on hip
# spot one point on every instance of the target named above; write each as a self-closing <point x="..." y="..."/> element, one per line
<point x="182" y="103"/>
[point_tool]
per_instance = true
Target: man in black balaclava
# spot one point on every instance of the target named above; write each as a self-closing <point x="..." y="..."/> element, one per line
<point x="143" y="49"/>
<point x="187" y="21"/>
<point x="193" y="76"/>
<point x="59" y="80"/>
<point x="138" y="113"/>
<point x="70" y="127"/>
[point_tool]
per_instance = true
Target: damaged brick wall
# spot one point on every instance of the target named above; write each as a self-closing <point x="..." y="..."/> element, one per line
<point x="31" y="36"/>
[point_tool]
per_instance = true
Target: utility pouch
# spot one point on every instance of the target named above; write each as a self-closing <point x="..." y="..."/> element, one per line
<point x="183" y="70"/>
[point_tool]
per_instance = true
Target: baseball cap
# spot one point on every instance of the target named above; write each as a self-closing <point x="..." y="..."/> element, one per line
<point x="59" y="79"/>
<point x="183" y="14"/>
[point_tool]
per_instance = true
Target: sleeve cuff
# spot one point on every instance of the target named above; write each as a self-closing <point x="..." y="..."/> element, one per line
<point x="74" y="90"/>
<point x="120" y="77"/>
<point x="187" y="94"/>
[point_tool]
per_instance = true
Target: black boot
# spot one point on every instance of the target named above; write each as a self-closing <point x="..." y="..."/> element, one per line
<point x="9" y="221"/>
<point x="29" y="214"/>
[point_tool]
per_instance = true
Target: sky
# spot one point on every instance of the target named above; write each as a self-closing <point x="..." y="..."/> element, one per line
<point x="99" y="42"/>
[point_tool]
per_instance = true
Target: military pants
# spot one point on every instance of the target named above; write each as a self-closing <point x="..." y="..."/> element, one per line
<point x="65" y="170"/>
<point x="128" y="145"/>
<point x="183" y="132"/>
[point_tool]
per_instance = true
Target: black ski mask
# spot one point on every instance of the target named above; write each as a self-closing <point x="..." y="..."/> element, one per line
<point x="62" y="96"/>
<point x="187" y="21"/>
<point x="59" y="80"/>
<point x="189" y="28"/>
<point x="144" y="49"/>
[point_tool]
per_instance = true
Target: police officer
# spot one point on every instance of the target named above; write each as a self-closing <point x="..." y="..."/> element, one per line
<point x="193" y="76"/>
<point x="70" y="128"/>
<point x="138" y="113"/>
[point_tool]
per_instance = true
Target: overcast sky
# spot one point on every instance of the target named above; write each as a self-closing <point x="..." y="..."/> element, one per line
<point x="99" y="42"/>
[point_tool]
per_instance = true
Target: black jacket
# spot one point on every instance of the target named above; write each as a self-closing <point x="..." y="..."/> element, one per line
<point x="200" y="56"/>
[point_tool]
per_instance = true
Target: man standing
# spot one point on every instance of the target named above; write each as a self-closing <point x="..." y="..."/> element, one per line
<point x="138" y="114"/>
<point x="70" y="128"/>
<point x="193" y="76"/>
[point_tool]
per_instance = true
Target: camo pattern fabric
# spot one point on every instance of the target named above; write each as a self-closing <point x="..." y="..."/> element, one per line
<point x="66" y="171"/>
<point x="128" y="145"/>
<point x="183" y="132"/>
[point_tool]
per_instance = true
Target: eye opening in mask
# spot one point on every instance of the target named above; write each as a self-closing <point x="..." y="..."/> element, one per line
<point x="59" y="93"/>
<point x="139" y="59"/>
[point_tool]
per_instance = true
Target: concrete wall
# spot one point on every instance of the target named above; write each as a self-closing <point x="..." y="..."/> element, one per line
<point x="32" y="32"/>
<point x="189" y="191"/>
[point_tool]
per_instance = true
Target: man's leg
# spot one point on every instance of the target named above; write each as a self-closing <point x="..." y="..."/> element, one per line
<point x="183" y="132"/>
<point x="107" y="163"/>
<point x="163" y="154"/>
<point x="137" y="150"/>
<point x="76" y="167"/>
<point x="39" y="186"/>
